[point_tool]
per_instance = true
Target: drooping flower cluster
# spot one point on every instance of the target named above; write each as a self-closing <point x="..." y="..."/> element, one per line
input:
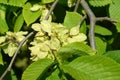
<point x="50" y="37"/>
<point x="10" y="41"/>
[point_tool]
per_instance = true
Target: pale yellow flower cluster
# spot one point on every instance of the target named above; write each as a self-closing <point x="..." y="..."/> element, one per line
<point x="71" y="3"/>
<point x="50" y="37"/>
<point x="44" y="10"/>
<point x="9" y="42"/>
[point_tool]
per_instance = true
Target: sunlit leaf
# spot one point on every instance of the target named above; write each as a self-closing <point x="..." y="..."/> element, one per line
<point x="18" y="23"/>
<point x="101" y="45"/>
<point x="72" y="19"/>
<point x="29" y="15"/>
<point x="3" y="25"/>
<point x="115" y="55"/>
<point x="54" y="75"/>
<point x="102" y="30"/>
<point x="83" y="28"/>
<point x="18" y="3"/>
<point x="75" y="49"/>
<point x="37" y="69"/>
<point x="93" y="68"/>
<point x="114" y="10"/>
<point x="47" y="1"/>
<point x="99" y="3"/>
<point x="118" y="26"/>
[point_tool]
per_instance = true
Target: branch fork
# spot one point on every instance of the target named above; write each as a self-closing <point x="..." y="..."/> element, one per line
<point x="93" y="20"/>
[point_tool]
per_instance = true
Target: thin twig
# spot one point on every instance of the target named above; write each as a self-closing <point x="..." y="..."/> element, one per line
<point x="77" y="5"/>
<point x="83" y="18"/>
<point x="16" y="52"/>
<point x="105" y="19"/>
<point x="51" y="9"/>
<point x="92" y="22"/>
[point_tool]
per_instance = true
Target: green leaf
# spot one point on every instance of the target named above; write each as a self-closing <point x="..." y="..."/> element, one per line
<point x="99" y="3"/>
<point x="18" y="23"/>
<point x="1" y="60"/>
<point x="114" y="10"/>
<point x="36" y="69"/>
<point x="54" y="75"/>
<point x="83" y="28"/>
<point x="63" y="2"/>
<point x="117" y="26"/>
<point x="13" y="75"/>
<point x="102" y="30"/>
<point x="100" y="45"/>
<point x="75" y="49"/>
<point x="2" y="11"/>
<point x="4" y="1"/>
<point x="3" y="26"/>
<point x="72" y="19"/>
<point x="3" y="23"/>
<point x="18" y="3"/>
<point x="30" y="16"/>
<point x="93" y="68"/>
<point x="115" y="55"/>
<point x="47" y="1"/>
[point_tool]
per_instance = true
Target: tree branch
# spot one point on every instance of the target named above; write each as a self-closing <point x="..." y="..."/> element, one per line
<point x="15" y="54"/>
<point x="105" y="19"/>
<point x="83" y="18"/>
<point x="92" y="22"/>
<point x="77" y="5"/>
<point x="51" y="9"/>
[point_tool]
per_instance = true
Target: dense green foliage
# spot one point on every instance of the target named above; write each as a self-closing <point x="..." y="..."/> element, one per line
<point x="60" y="48"/>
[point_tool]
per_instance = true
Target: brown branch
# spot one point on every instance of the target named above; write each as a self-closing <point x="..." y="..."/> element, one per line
<point x="77" y="5"/>
<point x="51" y="9"/>
<point x="105" y="19"/>
<point x="83" y="18"/>
<point x="92" y="22"/>
<point x="15" y="54"/>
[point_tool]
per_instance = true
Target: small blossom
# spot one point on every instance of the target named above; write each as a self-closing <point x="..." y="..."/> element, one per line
<point x="2" y="39"/>
<point x="35" y="7"/>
